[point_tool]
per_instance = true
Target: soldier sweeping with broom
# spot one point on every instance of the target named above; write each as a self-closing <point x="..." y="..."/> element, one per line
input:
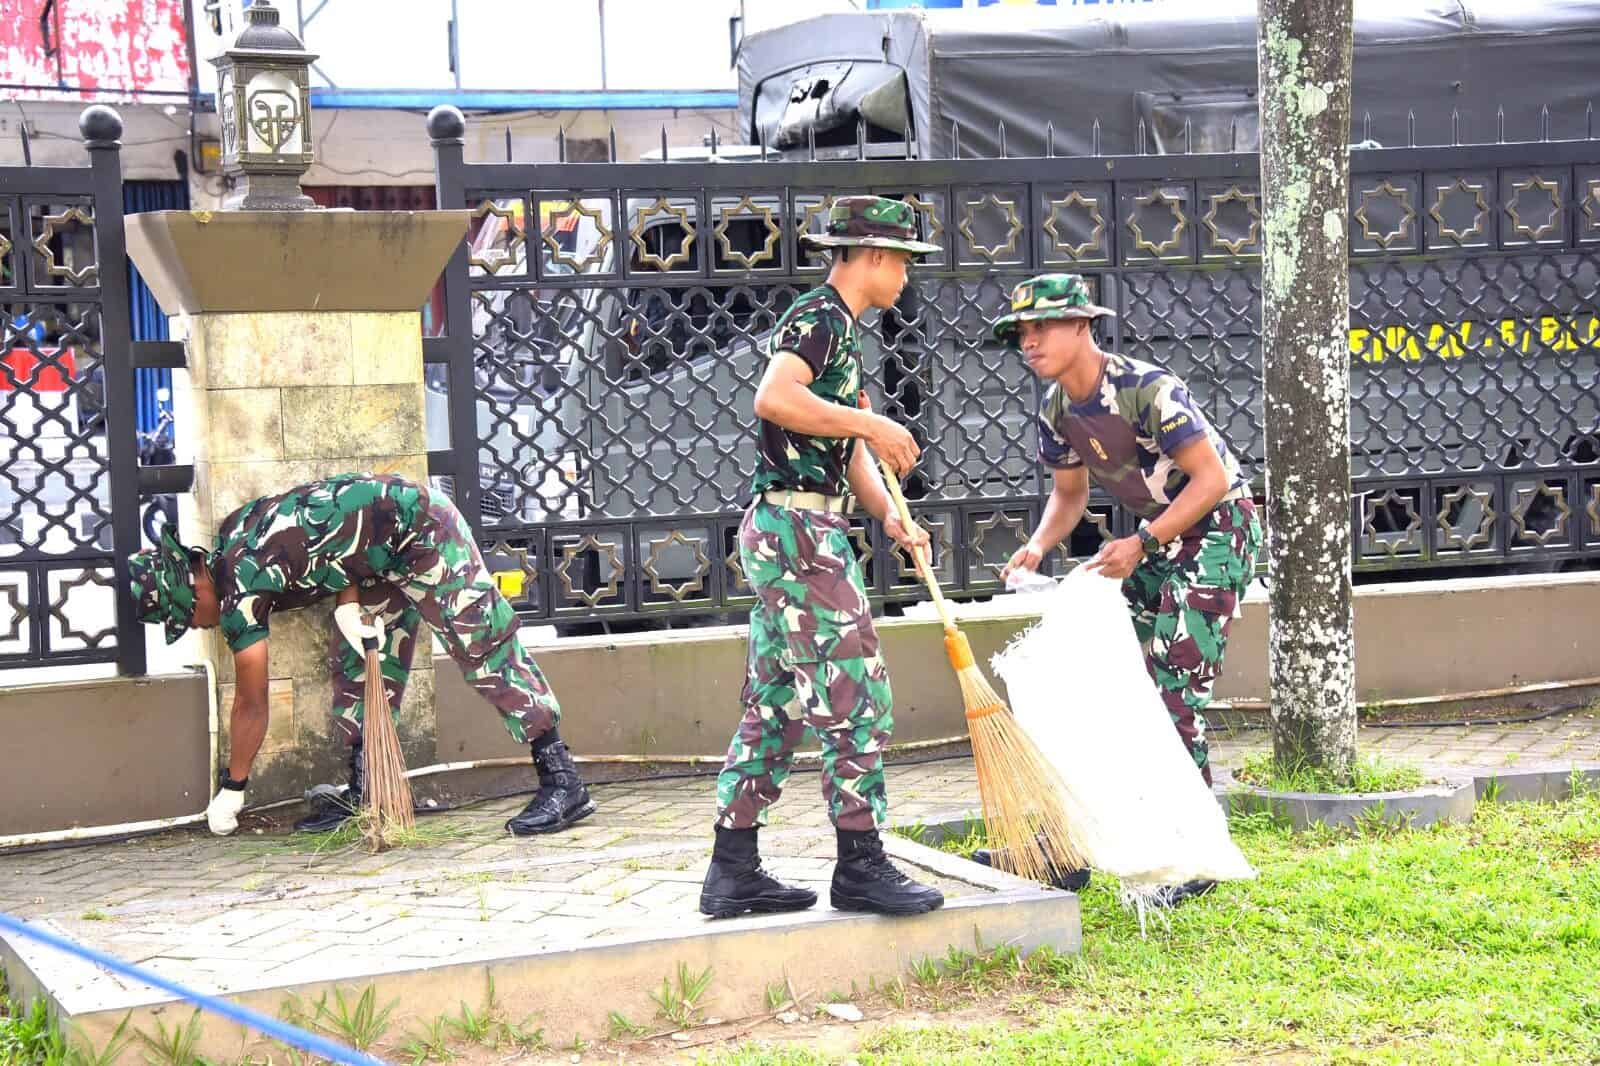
<point x="394" y="554"/>
<point x="1133" y="429"/>
<point x="814" y="662"/>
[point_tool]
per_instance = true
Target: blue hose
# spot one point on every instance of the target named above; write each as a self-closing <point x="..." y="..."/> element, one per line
<point x="278" y="1030"/>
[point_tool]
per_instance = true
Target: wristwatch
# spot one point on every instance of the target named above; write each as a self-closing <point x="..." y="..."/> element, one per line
<point x="1147" y="539"/>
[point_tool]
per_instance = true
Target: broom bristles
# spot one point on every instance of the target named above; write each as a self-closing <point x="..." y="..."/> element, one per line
<point x="388" y="799"/>
<point x="1024" y="815"/>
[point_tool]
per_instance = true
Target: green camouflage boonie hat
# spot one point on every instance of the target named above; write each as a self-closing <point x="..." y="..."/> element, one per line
<point x="871" y="222"/>
<point x="163" y="584"/>
<point x="1046" y="296"/>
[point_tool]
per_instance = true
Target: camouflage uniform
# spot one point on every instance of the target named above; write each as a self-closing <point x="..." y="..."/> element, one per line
<point x="1185" y="597"/>
<point x="414" y="559"/>
<point x="813" y="660"/>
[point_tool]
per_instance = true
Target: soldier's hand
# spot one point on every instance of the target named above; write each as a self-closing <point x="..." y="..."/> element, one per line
<point x="355" y="627"/>
<point x="1118" y="558"/>
<point x="913" y="540"/>
<point x="1027" y="557"/>
<point x="893" y="443"/>
<point x="222" y="816"/>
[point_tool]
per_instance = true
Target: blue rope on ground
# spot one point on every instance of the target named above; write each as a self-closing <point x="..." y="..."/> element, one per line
<point x="278" y="1030"/>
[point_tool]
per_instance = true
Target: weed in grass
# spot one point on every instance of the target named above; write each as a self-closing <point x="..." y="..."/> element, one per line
<point x="94" y="914"/>
<point x="779" y="995"/>
<point x="174" y="1047"/>
<point x="620" y="1028"/>
<point x="681" y="1005"/>
<point x="1493" y="789"/>
<point x="429" y="1045"/>
<point x="1367" y="774"/>
<point x="1377" y="821"/>
<point x="359" y="1023"/>
<point x="925" y="972"/>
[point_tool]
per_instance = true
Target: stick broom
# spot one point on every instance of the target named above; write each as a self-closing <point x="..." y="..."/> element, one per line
<point x="388" y="799"/>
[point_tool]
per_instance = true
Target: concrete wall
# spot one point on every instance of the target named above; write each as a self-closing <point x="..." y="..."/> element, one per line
<point x="103" y="752"/>
<point x="678" y="693"/>
<point x="119" y="750"/>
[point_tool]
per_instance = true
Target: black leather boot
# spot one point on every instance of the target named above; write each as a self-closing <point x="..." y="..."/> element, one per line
<point x="333" y="811"/>
<point x="865" y="880"/>
<point x="562" y="798"/>
<point x="736" y="884"/>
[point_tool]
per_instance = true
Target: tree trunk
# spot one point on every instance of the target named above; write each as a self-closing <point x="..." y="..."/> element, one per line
<point x="1304" y="59"/>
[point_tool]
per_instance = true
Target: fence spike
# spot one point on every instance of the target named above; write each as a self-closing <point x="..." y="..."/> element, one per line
<point x="1002" y="133"/>
<point x="713" y="142"/>
<point x="762" y="132"/>
<point x="1544" y="123"/>
<point x="1139" y="150"/>
<point x="1233" y="134"/>
<point x="508" y="144"/>
<point x="905" y="142"/>
<point x="664" y="156"/>
<point x="1094" y="137"/>
<point x="561" y="145"/>
<point x="1411" y="129"/>
<point x="1050" y="140"/>
<point x="27" y="147"/>
<point x="611" y="141"/>
<point x="1186" y="134"/>
<point x="1455" y="126"/>
<point x="955" y="139"/>
<point x="1500" y="126"/>
<point x="1588" y="121"/>
<point x="811" y="143"/>
<point x="1366" y="125"/>
<point x="861" y="138"/>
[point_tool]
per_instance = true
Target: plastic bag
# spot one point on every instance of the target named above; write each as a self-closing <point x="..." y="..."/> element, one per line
<point x="1077" y="683"/>
<point x="1029" y="581"/>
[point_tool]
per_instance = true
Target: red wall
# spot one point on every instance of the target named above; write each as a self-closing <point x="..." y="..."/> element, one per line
<point x="120" y="47"/>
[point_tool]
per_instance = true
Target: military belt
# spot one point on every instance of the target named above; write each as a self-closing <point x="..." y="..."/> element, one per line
<point x="807" y="501"/>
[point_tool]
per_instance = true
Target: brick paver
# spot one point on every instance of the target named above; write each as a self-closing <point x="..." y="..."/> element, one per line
<point x="262" y="910"/>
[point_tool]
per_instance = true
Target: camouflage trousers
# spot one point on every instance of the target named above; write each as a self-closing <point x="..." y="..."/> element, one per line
<point x="439" y="577"/>
<point x="814" y="665"/>
<point x="1183" y="604"/>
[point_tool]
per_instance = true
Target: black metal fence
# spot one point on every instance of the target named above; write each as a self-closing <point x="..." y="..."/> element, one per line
<point x="68" y="498"/>
<point x="606" y="329"/>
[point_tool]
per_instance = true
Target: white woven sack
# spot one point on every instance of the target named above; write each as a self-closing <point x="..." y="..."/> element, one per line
<point x="1077" y="683"/>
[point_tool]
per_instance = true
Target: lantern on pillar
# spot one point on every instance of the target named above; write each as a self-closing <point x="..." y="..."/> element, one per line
<point x="264" y="102"/>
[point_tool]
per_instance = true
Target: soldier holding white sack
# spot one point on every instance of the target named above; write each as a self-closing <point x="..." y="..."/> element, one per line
<point x="1133" y="428"/>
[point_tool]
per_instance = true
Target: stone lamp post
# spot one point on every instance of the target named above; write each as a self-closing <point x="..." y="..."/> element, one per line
<point x="264" y="102"/>
<point x="303" y="342"/>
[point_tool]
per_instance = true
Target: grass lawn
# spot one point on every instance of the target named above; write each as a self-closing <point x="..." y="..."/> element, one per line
<point x="1458" y="944"/>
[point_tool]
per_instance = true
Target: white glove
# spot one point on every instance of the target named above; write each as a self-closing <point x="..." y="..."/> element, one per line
<point x="347" y="616"/>
<point x="223" y="814"/>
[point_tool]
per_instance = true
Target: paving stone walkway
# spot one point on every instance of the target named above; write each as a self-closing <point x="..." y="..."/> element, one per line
<point x="261" y="910"/>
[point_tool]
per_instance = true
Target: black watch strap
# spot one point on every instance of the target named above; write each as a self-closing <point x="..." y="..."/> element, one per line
<point x="1148" y="539"/>
<point x="227" y="782"/>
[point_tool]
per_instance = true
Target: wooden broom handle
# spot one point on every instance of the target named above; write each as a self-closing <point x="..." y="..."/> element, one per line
<point x="924" y="570"/>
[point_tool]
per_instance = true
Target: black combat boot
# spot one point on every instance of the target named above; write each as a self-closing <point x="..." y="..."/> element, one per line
<point x="1066" y="880"/>
<point x="1173" y="895"/>
<point x="330" y="812"/>
<point x="736" y="883"/>
<point x="865" y="880"/>
<point x="562" y="798"/>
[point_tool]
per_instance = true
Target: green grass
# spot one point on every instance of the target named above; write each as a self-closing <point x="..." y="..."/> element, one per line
<point x="1475" y="943"/>
<point x="1369" y="774"/>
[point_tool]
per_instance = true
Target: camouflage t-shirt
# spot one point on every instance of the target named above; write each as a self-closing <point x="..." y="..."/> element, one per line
<point x="1126" y="434"/>
<point x="818" y="328"/>
<point x="290" y="550"/>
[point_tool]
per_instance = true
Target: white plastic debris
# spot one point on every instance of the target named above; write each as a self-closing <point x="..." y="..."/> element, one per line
<point x="845" y="1012"/>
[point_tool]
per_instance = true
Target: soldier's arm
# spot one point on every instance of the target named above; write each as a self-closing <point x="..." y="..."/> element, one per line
<point x="1208" y="483"/>
<point x="1069" y="495"/>
<point x="248" y="721"/>
<point x="785" y="398"/>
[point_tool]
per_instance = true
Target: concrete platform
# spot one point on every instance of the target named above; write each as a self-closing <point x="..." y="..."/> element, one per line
<point x="570" y="928"/>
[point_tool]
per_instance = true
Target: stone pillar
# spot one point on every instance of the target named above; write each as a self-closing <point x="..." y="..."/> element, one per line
<point x="304" y="360"/>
